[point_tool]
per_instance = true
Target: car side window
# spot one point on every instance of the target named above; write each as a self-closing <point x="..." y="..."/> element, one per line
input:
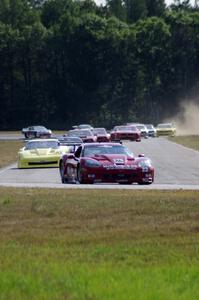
<point x="78" y="152"/>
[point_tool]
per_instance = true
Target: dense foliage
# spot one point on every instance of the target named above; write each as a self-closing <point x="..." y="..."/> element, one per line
<point x="70" y="61"/>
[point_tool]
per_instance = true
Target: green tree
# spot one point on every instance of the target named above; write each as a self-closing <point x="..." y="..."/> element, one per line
<point x="16" y="13"/>
<point x="152" y="43"/>
<point x="116" y="8"/>
<point x="52" y="11"/>
<point x="181" y="5"/>
<point x="135" y="10"/>
<point x="155" y="7"/>
<point x="184" y="49"/>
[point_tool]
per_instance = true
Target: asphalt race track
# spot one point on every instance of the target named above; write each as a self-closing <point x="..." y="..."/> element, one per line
<point x="176" y="167"/>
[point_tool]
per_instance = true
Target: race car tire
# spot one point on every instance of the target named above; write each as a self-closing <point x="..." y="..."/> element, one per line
<point x="63" y="178"/>
<point x="79" y="175"/>
<point x="144" y="183"/>
<point x="80" y="179"/>
<point x="31" y="135"/>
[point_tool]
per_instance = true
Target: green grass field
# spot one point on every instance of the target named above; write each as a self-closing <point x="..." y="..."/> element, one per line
<point x="191" y="141"/>
<point x="83" y="245"/>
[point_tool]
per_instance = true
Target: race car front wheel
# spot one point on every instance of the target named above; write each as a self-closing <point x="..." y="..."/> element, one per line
<point x="80" y="177"/>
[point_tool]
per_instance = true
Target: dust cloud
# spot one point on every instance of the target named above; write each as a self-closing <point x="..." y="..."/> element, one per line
<point x="187" y="120"/>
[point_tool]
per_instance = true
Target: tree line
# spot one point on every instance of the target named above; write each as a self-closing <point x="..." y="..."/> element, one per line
<point x="64" y="62"/>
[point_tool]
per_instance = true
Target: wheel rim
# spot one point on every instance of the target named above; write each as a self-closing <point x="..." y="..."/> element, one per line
<point x="31" y="135"/>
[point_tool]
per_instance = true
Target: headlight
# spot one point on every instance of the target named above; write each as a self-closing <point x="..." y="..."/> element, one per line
<point x="92" y="163"/>
<point x="145" y="163"/>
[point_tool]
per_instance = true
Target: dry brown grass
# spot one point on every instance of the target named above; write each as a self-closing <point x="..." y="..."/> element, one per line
<point x="10" y="132"/>
<point x="190" y="141"/>
<point x="8" y="152"/>
<point x="97" y="215"/>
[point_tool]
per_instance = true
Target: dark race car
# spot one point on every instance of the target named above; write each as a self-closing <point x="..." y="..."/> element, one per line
<point x="36" y="132"/>
<point x="105" y="162"/>
<point x="125" y="133"/>
<point x="151" y="130"/>
<point x="101" y="134"/>
<point x="86" y="135"/>
<point x="70" y="142"/>
<point x="143" y="130"/>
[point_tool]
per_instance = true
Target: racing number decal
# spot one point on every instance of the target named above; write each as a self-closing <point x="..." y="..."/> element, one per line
<point x="118" y="161"/>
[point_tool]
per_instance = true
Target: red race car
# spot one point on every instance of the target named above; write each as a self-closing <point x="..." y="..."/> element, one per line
<point x="125" y="133"/>
<point x="101" y="134"/>
<point x="105" y="162"/>
<point x="86" y="135"/>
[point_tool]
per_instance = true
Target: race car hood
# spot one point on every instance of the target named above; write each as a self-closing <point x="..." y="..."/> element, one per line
<point x="41" y="152"/>
<point x="118" y="159"/>
<point x="165" y="129"/>
<point x="123" y="131"/>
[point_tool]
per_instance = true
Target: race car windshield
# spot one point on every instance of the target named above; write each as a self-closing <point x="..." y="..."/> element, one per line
<point x="133" y="128"/>
<point x="72" y="139"/>
<point x="84" y="126"/>
<point x="140" y="127"/>
<point x="112" y="149"/>
<point x="42" y="145"/>
<point x="99" y="131"/>
<point x="123" y="128"/>
<point x="39" y="128"/>
<point x="80" y="133"/>
<point x="164" y="126"/>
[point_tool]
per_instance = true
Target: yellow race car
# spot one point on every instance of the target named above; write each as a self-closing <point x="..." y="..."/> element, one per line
<point x="167" y="129"/>
<point x="40" y="153"/>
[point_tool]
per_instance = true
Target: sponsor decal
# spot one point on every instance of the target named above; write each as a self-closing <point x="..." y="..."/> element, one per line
<point x="123" y="167"/>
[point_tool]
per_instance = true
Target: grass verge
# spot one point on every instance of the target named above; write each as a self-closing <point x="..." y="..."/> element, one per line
<point x="80" y="244"/>
<point x="8" y="152"/>
<point x="190" y="141"/>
